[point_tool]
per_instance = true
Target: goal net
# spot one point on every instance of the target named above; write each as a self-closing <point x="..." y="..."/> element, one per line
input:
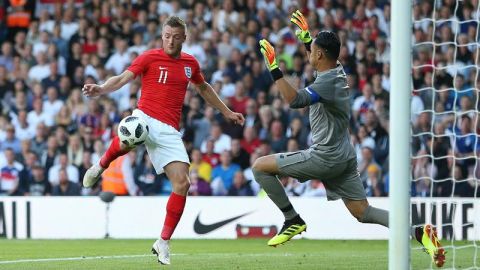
<point x="445" y="126"/>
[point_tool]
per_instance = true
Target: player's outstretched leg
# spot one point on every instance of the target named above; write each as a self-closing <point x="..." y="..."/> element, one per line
<point x="366" y="213"/>
<point x="265" y="170"/>
<point x="427" y="236"/>
<point x="116" y="149"/>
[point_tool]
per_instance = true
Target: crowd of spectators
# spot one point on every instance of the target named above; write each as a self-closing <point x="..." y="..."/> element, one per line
<point x="50" y="134"/>
<point x="445" y="102"/>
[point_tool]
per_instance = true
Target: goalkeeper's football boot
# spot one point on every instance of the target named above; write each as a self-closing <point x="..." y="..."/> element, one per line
<point x="427" y="236"/>
<point x="290" y="228"/>
<point x="161" y="249"/>
<point x="92" y="175"/>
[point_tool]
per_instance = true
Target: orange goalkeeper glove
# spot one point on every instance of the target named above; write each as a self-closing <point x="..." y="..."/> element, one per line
<point x="268" y="53"/>
<point x="300" y="21"/>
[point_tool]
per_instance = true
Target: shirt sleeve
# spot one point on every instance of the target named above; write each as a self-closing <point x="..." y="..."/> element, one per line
<point x="197" y="76"/>
<point x="317" y="92"/>
<point x="138" y="65"/>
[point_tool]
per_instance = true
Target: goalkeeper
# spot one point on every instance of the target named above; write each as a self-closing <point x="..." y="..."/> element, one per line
<point x="331" y="158"/>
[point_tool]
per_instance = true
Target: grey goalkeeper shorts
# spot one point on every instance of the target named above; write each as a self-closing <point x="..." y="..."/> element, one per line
<point x="341" y="180"/>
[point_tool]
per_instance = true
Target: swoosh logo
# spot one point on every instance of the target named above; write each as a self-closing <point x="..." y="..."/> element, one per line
<point x="200" y="228"/>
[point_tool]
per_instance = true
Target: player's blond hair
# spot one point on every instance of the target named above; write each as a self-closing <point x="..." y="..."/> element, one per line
<point x="175" y="21"/>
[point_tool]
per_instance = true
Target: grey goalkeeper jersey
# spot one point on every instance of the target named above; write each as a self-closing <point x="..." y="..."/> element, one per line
<point x="329" y="101"/>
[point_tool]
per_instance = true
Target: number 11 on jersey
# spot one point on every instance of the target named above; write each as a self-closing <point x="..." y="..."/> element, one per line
<point x="163" y="75"/>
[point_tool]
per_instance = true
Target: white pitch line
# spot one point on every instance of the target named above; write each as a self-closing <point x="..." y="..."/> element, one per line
<point x="143" y="255"/>
<point x="76" y="258"/>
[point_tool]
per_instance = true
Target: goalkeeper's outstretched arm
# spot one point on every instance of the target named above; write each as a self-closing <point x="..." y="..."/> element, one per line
<point x="296" y="99"/>
<point x="289" y="94"/>
<point x="286" y="90"/>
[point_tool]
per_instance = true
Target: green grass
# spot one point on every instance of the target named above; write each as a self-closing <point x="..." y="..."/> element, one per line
<point x="218" y="254"/>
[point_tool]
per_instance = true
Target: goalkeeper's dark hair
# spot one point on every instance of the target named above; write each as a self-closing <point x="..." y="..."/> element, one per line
<point x="329" y="42"/>
<point x="175" y="21"/>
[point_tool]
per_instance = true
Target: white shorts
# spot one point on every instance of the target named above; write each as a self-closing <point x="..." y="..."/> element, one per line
<point x="164" y="143"/>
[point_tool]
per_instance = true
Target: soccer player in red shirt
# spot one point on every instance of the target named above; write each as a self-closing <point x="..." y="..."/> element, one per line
<point x="165" y="76"/>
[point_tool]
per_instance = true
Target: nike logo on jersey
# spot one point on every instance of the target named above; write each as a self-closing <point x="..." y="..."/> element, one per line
<point x="162" y="68"/>
<point x="200" y="228"/>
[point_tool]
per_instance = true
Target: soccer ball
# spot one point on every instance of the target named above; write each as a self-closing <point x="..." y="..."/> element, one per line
<point x="132" y="131"/>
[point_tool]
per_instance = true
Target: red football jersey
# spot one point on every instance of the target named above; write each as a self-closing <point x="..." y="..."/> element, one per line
<point x="164" y="83"/>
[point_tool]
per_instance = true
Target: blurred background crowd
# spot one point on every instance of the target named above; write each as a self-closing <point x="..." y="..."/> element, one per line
<point x="50" y="134"/>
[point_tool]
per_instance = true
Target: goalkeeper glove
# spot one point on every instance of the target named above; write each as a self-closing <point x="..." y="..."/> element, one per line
<point x="268" y="53"/>
<point x="302" y="33"/>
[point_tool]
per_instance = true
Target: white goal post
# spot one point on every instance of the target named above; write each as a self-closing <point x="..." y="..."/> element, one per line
<point x="400" y="176"/>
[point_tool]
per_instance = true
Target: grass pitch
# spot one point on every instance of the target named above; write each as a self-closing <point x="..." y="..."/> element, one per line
<point x="217" y="254"/>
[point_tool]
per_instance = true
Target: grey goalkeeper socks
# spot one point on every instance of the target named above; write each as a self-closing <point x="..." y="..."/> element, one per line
<point x="375" y="215"/>
<point x="380" y="216"/>
<point x="275" y="191"/>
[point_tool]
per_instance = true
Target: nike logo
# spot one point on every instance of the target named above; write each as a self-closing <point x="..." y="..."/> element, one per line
<point x="200" y="228"/>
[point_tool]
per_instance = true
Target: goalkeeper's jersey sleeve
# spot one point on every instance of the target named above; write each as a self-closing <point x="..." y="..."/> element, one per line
<point x="330" y="114"/>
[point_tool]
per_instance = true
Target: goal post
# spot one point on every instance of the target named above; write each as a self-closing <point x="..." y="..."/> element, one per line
<point x="399" y="163"/>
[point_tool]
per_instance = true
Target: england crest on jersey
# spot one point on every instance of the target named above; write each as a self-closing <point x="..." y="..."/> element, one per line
<point x="188" y="72"/>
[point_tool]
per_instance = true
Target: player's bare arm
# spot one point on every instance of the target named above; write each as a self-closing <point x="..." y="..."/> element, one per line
<point x="319" y="57"/>
<point x="286" y="90"/>
<point x="112" y="84"/>
<point x="208" y="93"/>
<point x="295" y="98"/>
